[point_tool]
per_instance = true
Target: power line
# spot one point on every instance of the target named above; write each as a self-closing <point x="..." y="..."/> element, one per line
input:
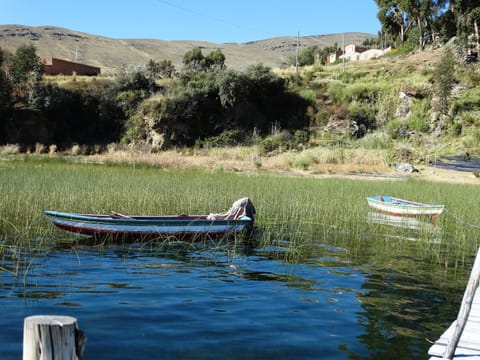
<point x="217" y="19"/>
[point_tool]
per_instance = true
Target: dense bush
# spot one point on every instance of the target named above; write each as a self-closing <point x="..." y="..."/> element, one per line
<point x="85" y="117"/>
<point x="206" y="104"/>
<point x="214" y="105"/>
<point x="363" y="116"/>
<point x="226" y="138"/>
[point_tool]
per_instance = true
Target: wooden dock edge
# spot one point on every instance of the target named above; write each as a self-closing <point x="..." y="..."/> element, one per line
<point x="462" y="338"/>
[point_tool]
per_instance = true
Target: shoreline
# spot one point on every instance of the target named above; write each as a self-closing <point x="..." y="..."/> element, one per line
<point x="278" y="167"/>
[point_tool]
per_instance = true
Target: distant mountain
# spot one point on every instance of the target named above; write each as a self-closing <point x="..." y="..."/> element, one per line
<point x="111" y="54"/>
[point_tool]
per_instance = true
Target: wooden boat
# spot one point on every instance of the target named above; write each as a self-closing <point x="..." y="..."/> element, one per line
<point x="238" y="218"/>
<point x="395" y="206"/>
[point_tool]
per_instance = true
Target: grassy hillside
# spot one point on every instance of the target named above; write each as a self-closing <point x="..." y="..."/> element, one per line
<point x="397" y="98"/>
<point x="111" y="54"/>
<point x="363" y="116"/>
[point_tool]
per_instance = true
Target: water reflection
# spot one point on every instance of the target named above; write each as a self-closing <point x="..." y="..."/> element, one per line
<point x="414" y="223"/>
<point x="399" y="312"/>
<point x="332" y="301"/>
<point x="408" y="228"/>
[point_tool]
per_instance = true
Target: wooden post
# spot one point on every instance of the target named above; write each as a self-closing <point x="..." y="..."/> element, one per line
<point x="51" y="337"/>
<point x="464" y="309"/>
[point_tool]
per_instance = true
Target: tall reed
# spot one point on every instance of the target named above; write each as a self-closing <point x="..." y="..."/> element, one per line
<point x="298" y="212"/>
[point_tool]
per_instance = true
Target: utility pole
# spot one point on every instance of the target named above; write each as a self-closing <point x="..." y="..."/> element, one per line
<point x="296" y="52"/>
<point x="343" y="41"/>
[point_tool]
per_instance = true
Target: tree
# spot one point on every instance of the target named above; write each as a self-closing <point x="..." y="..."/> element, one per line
<point x="167" y="69"/>
<point x="232" y="88"/>
<point x="422" y="13"/>
<point x="307" y="55"/>
<point x="5" y="88"/>
<point x="153" y="70"/>
<point x="372" y="42"/>
<point x="25" y="65"/>
<point x="128" y="80"/>
<point x="474" y="19"/>
<point x="394" y="19"/>
<point x="311" y="55"/>
<point x="466" y="14"/>
<point x="399" y="17"/>
<point x="156" y="70"/>
<point x="444" y="79"/>
<point x="215" y="59"/>
<point x="194" y="59"/>
<point x="445" y="25"/>
<point x="132" y="87"/>
<point x="5" y="99"/>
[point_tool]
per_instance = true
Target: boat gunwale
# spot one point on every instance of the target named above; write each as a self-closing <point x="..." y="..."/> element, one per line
<point x="141" y="220"/>
<point x="403" y="203"/>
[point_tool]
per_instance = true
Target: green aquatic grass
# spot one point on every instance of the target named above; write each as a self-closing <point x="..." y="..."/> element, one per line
<point x="297" y="212"/>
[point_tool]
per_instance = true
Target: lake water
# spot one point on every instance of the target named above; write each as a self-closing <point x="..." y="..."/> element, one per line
<point x="179" y="302"/>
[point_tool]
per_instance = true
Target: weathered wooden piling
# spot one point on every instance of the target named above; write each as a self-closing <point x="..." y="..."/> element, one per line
<point x="52" y="337"/>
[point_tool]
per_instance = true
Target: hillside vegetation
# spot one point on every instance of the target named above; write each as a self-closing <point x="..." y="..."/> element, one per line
<point x="343" y="117"/>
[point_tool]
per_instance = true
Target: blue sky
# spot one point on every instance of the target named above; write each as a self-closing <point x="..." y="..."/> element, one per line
<point x="209" y="20"/>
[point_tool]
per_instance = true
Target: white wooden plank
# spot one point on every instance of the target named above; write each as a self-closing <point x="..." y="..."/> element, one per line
<point x="469" y="344"/>
<point x="438" y="350"/>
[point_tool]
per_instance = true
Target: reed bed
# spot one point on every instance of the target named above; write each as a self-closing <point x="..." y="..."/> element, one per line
<point x="295" y="215"/>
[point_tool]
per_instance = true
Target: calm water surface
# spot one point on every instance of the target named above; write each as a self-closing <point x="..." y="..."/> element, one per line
<point x="177" y="302"/>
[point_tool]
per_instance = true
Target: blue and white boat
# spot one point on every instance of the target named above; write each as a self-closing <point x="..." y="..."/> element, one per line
<point x="240" y="217"/>
<point x="401" y="207"/>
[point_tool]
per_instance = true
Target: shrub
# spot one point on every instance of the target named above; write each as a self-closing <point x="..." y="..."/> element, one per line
<point x="362" y="115"/>
<point x="418" y="119"/>
<point x="226" y="138"/>
<point x="75" y="150"/>
<point x="279" y="141"/>
<point x="52" y="149"/>
<point x="476" y="135"/>
<point x="418" y="123"/>
<point x="397" y="129"/>
<point x="456" y="129"/>
<point x="350" y="77"/>
<point x="336" y="91"/>
<point x="302" y="164"/>
<point x="309" y="95"/>
<point x="10" y="149"/>
<point x="321" y="117"/>
<point x="39" y="148"/>
<point x="376" y="140"/>
<point x="300" y="137"/>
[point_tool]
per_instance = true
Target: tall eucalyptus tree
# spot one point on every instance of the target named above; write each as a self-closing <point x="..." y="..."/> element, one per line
<point x="400" y="16"/>
<point x="467" y="14"/>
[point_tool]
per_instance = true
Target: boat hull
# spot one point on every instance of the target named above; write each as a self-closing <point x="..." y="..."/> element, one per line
<point x="144" y="227"/>
<point x="401" y="207"/>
